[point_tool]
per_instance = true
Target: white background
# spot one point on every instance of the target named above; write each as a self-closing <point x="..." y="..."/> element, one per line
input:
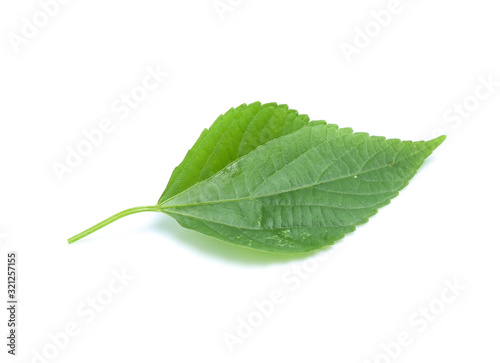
<point x="189" y="290"/>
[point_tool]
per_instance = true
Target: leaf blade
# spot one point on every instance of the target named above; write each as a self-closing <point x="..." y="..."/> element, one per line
<point x="285" y="203"/>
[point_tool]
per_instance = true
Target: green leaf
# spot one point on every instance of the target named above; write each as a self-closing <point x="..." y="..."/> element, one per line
<point x="265" y="177"/>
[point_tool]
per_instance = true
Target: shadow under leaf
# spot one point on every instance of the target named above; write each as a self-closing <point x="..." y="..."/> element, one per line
<point x="221" y="249"/>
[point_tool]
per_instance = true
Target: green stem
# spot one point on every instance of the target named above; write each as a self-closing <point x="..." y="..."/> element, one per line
<point x="111" y="219"/>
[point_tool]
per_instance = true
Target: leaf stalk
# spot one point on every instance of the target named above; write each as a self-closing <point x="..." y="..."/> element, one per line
<point x="113" y="218"/>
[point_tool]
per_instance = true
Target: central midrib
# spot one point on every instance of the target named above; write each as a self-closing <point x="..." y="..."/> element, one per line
<point x="284" y="191"/>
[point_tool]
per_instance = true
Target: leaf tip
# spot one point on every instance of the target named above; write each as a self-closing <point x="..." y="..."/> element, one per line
<point x="434" y="143"/>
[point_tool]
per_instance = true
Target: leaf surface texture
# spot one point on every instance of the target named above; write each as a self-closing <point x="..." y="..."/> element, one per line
<point x="267" y="178"/>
